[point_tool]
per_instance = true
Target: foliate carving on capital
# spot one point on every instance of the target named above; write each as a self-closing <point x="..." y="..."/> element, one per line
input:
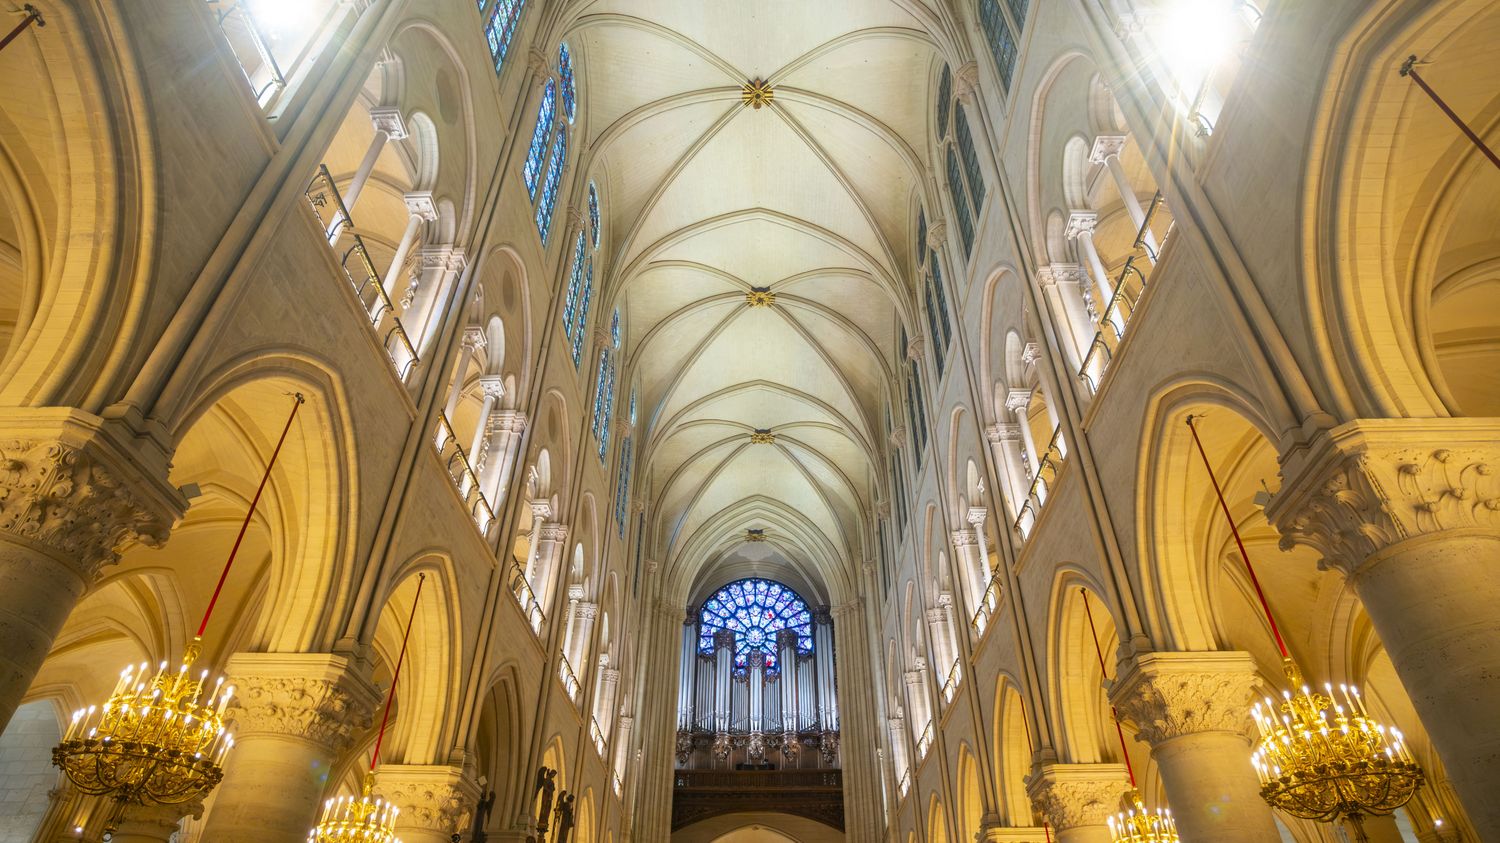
<point x="536" y="61"/>
<point x="1071" y="802"/>
<point x="1081" y="223"/>
<point x="1030" y="353"/>
<point x="898" y="436"/>
<point x="1106" y="147"/>
<point x="430" y="806"/>
<point x="492" y="386"/>
<point x="1360" y="495"/>
<point x="587" y="611"/>
<point x="977" y="515"/>
<point x="1060" y="273"/>
<point x="474" y="338"/>
<point x="66" y="499"/>
<point x="507" y="421"/>
<point x="421" y="204"/>
<point x="317" y="709"/>
<point x="1017" y="400"/>
<point x="389" y="120"/>
<point x="541" y="510"/>
<point x="1166" y="704"/>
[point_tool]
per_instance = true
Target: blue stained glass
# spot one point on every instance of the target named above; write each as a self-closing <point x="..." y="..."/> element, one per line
<point x="575" y="280"/>
<point x="632" y="407"/>
<point x="945" y="94"/>
<point x="594" y="213"/>
<point x="765" y="608"/>
<point x="583" y="312"/>
<point x="565" y="70"/>
<point x="549" y="188"/>
<point x="614" y="328"/>
<point x="1002" y="41"/>
<point x="936" y="280"/>
<point x="622" y="487"/>
<point x="501" y="28"/>
<point x="960" y="203"/>
<point x="539" y="135"/>
<point x="970" y="158"/>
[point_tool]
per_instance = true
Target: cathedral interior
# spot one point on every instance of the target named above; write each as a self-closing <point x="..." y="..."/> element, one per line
<point x="898" y="421"/>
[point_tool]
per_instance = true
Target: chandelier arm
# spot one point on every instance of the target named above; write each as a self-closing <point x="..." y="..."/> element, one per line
<point x="1265" y="605"/>
<point x="400" y="660"/>
<point x="250" y="513"/>
<point x="1113" y="714"/>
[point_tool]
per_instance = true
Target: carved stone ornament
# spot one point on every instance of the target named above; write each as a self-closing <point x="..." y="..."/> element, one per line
<point x="762" y="436"/>
<point x="755" y="749"/>
<point x="78" y="500"/>
<point x="1003" y="432"/>
<point x="966" y="80"/>
<point x="1368" y="485"/>
<point x="435" y="799"/>
<point x="965" y="538"/>
<point x="1073" y="795"/>
<point x="536" y="61"/>
<point x="1168" y="695"/>
<point x="556" y="533"/>
<point x="327" y="706"/>
<point x="684" y="746"/>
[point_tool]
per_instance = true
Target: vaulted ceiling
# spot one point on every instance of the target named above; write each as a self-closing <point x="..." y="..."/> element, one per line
<point x="813" y="196"/>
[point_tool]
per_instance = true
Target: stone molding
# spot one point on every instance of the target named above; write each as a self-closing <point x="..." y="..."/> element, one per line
<point x="1369" y="484"/>
<point x="966" y="81"/>
<point x="76" y="487"/>
<point x="1106" y="147"/>
<point x="314" y="697"/>
<point x="421" y="204"/>
<point x="430" y="797"/>
<point x="1003" y="431"/>
<point x="557" y="533"/>
<point x="937" y="235"/>
<point x="977" y="515"/>
<point x="507" y="421"/>
<point x="1169" y="695"/>
<point x="1060" y="273"/>
<point x="915" y="347"/>
<point x="1018" y="400"/>
<point x="1074" y="795"/>
<point x="388" y="119"/>
<point x="965" y="538"/>
<point x="1081" y="223"/>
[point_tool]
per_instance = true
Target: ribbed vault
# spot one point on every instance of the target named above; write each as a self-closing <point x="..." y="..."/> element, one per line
<point x="812" y="198"/>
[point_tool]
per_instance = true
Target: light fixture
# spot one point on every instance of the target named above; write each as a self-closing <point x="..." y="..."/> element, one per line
<point x="159" y="739"/>
<point x="1320" y="757"/>
<point x="368" y="818"/>
<point x="1134" y="823"/>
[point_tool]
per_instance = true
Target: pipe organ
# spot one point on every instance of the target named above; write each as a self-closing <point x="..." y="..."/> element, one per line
<point x="756" y="683"/>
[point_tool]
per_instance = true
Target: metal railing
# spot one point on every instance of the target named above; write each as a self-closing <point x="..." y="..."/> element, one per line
<point x="568" y="677"/>
<point x="324" y="198"/>
<point x="1129" y="286"/>
<point x="924" y="743"/>
<point x="530" y="606"/>
<point x="950" y="685"/>
<point x="597" y="734"/>
<point x="989" y="604"/>
<point x="247" y="41"/>
<point x="618" y="785"/>
<point x="903" y="785"/>
<point x="1046" y="473"/>
<point x="465" y="478"/>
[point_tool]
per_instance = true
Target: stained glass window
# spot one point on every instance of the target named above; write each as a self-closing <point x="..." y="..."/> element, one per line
<point x="1001" y="40"/>
<point x="970" y="158"/>
<point x="622" y="486"/>
<point x="921" y="237"/>
<point x="539" y="135"/>
<point x="575" y="282"/>
<point x="960" y="204"/>
<point x="594" y="213"/>
<point x="501" y="28"/>
<point x="1017" y="12"/>
<point x="604" y="395"/>
<point x="932" y="327"/>
<point x="583" y="311"/>
<point x="565" y="72"/>
<point x="549" y="188"/>
<point x="945" y="94"/>
<point x="935" y="278"/>
<point x="755" y="610"/>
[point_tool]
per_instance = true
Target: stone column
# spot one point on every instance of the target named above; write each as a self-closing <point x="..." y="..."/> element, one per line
<point x="420" y="208"/>
<point x="440" y="268"/>
<point x="294" y="715"/>
<point x="1408" y="510"/>
<point x="152" y="824"/>
<point x="473" y="340"/>
<point x="966" y="548"/>
<point x="551" y="542"/>
<point x="436" y="801"/>
<point x="609" y="688"/>
<point x="388" y="126"/>
<point x="1192" y="709"/>
<point x="1005" y="441"/>
<point x="1018" y="401"/>
<point x="1106" y="151"/>
<point x="73" y="487"/>
<point x="1078" y="799"/>
<point x="1067" y="287"/>
<point x="1081" y="229"/>
<point x="506" y="427"/>
<point x="493" y="388"/>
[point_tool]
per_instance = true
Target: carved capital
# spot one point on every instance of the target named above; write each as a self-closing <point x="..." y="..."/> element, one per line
<point x="421" y="204"/>
<point x="541" y="510"/>
<point x="1017" y="400"/>
<point x="536" y="61"/>
<point x="898" y="436"/>
<point x="314" y="697"/>
<point x="492" y="386"/>
<point x="76" y="487"/>
<point x="389" y="120"/>
<point x="966" y="80"/>
<point x="977" y="515"/>
<point x="1106" y="147"/>
<point x="1081" y="223"/>
<point x="430" y="798"/>
<point x="883" y="508"/>
<point x="1030" y="353"/>
<point x="1367" y="485"/>
<point x="1074" y="795"/>
<point x="915" y="347"/>
<point x="474" y="338"/>
<point x="1168" y="695"/>
<point x="586" y="611"/>
<point x="937" y="234"/>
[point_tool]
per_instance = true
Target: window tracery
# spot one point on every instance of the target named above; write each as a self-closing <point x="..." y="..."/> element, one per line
<point x="539" y="137"/>
<point x="755" y="610"/>
<point x="501" y="28"/>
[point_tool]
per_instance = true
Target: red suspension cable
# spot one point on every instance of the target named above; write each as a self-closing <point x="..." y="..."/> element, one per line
<point x="1260" y="593"/>
<point x="224" y="575"/>
<point x="400" y="660"/>
<point x="1115" y="715"/>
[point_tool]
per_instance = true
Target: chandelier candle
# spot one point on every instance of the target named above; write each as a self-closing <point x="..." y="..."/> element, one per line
<point x="1321" y="757"/>
<point x="159" y="740"/>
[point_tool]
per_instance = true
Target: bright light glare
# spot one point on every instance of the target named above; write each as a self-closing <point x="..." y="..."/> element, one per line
<point x="1193" y="36"/>
<point x="279" y="17"/>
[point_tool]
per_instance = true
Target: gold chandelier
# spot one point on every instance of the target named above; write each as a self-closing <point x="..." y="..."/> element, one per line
<point x="1326" y="759"/>
<point x="1133" y="824"/>
<point x="1136" y="824"/>
<point x="1320" y="758"/>
<point x="159" y="740"/>
<point x="368" y="819"/>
